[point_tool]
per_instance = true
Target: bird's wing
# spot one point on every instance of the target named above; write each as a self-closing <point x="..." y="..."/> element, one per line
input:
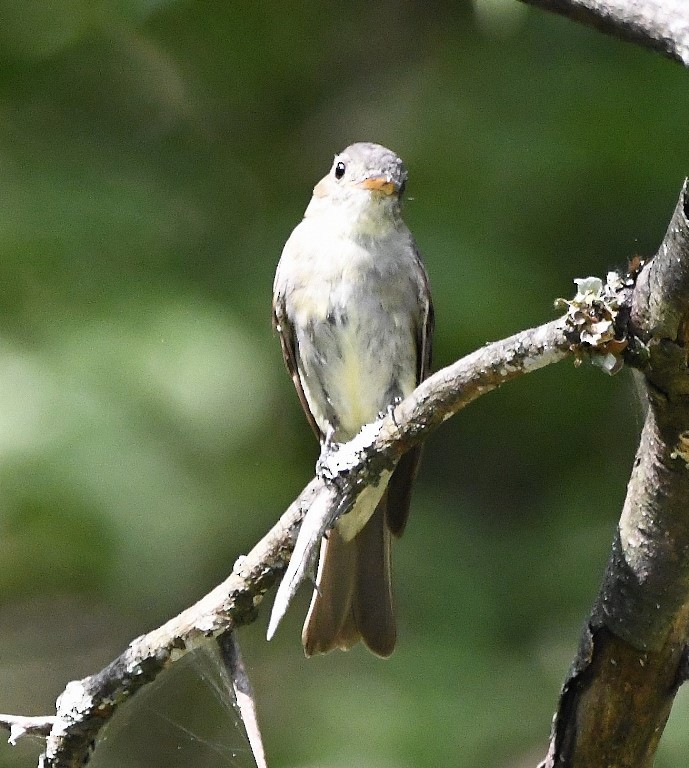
<point x="288" y="343"/>
<point x="399" y="488"/>
<point x="424" y="337"/>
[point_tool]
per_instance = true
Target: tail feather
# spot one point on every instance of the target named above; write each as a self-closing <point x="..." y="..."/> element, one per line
<point x="353" y="597"/>
<point x="372" y="605"/>
<point x="330" y="623"/>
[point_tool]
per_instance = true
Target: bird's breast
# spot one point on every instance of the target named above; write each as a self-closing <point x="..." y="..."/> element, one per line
<point x="354" y="317"/>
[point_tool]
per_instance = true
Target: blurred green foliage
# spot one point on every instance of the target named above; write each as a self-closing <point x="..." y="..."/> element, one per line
<point x="154" y="156"/>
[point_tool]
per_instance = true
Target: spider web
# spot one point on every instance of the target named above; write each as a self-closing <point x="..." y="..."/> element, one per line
<point x="187" y="718"/>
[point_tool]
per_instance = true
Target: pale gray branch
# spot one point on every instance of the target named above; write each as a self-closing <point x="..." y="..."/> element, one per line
<point x="587" y="327"/>
<point x="19" y="726"/>
<point x="660" y="25"/>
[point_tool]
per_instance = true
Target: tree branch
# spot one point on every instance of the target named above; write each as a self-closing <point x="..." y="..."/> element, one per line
<point x="587" y="328"/>
<point x="632" y="656"/>
<point x="660" y="25"/>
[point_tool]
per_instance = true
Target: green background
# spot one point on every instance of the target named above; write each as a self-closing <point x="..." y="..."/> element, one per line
<point x="154" y="157"/>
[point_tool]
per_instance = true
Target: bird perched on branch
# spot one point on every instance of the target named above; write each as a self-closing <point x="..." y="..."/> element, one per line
<point x="353" y="310"/>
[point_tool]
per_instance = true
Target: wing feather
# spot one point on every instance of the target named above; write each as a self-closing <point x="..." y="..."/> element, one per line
<point x="288" y="343"/>
<point x="400" y="486"/>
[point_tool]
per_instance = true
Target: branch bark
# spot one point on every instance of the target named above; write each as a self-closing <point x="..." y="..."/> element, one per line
<point x="632" y="656"/>
<point x="660" y="25"/>
<point x="86" y="705"/>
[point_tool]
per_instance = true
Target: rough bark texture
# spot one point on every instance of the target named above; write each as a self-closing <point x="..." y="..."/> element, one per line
<point x="631" y="660"/>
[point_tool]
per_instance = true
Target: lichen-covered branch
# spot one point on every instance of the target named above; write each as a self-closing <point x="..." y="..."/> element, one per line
<point x="660" y="25"/>
<point x="631" y="660"/>
<point x="637" y="633"/>
<point x="589" y="327"/>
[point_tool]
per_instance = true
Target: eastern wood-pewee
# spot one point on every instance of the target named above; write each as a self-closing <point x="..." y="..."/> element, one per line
<point x="353" y="310"/>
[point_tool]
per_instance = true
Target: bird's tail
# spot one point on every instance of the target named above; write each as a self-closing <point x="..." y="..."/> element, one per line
<point x="353" y="597"/>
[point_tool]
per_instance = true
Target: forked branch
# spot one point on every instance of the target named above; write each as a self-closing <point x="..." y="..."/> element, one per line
<point x="593" y="325"/>
<point x="632" y="656"/>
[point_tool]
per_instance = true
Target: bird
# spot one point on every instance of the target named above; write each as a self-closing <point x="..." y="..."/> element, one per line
<point x="353" y="311"/>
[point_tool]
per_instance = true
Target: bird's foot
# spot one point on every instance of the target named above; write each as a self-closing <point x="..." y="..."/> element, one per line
<point x="328" y="447"/>
<point x="390" y="409"/>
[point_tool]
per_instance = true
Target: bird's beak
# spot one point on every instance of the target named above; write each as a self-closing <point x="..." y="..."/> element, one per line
<point x="379" y="184"/>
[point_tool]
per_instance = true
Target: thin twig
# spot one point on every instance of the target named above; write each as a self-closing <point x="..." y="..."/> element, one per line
<point x="19" y="726"/>
<point x="242" y="690"/>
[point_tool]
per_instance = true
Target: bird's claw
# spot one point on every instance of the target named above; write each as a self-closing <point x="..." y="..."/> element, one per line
<point x="328" y="447"/>
<point x="390" y="409"/>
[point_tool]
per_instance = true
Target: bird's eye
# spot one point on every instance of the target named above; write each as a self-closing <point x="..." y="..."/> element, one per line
<point x="339" y="170"/>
